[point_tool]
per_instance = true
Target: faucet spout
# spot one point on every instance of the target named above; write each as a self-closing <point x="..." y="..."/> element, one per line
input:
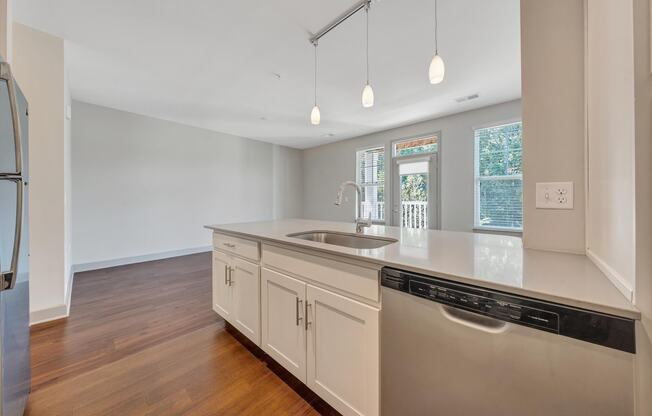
<point x="360" y="223"/>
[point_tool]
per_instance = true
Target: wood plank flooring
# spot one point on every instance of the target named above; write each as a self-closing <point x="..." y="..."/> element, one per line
<point x="142" y="340"/>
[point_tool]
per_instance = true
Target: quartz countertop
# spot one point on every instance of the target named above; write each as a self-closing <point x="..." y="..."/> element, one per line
<point x="487" y="260"/>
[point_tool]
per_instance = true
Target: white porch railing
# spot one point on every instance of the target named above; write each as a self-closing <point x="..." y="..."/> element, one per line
<point x="414" y="214"/>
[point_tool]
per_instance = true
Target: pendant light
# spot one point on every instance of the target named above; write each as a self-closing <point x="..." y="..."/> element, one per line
<point x="367" y="91"/>
<point x="437" y="68"/>
<point x="315" y="114"/>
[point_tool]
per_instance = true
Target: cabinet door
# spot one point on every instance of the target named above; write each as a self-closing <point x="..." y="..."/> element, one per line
<point x="343" y="356"/>
<point x="284" y="336"/>
<point x="221" y="290"/>
<point x="245" y="283"/>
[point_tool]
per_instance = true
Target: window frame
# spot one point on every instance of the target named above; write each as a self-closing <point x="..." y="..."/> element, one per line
<point x="477" y="178"/>
<point x="358" y="151"/>
<point x="393" y="144"/>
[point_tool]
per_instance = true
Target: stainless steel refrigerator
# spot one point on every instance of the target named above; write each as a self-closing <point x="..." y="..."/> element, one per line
<point x="14" y="248"/>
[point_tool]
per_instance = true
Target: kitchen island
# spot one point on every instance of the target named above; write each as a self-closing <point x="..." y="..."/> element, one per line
<point x="314" y="307"/>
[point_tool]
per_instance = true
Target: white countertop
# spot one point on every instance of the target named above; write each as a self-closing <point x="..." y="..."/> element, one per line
<point x="486" y="260"/>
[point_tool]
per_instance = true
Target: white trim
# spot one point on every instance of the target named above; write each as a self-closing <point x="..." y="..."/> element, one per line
<point x="436" y="134"/>
<point x="55" y="312"/>
<point x="616" y="278"/>
<point x="103" y="264"/>
<point x="63" y="311"/>
<point x="500" y="123"/>
<point x="357" y="178"/>
<point x="498" y="229"/>
<point x="48" y="314"/>
<point x="71" y="278"/>
<point x="477" y="178"/>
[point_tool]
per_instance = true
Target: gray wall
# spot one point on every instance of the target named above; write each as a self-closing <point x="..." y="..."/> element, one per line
<point x="143" y="186"/>
<point x="288" y="182"/>
<point x="325" y="167"/>
<point x="552" y="61"/>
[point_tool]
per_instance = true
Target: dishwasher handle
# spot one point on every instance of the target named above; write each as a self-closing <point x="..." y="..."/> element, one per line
<point x="473" y="320"/>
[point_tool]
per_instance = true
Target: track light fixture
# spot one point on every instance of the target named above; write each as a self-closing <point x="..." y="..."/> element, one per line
<point x="367" y="91"/>
<point x="315" y="114"/>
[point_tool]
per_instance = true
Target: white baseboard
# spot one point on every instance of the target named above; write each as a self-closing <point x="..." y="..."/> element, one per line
<point x="616" y="278"/>
<point x="63" y="311"/>
<point x="55" y="312"/>
<point x="96" y="265"/>
<point x="49" y="314"/>
<point x="71" y="278"/>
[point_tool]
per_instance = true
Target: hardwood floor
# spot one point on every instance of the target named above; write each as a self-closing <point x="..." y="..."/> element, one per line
<point x="142" y="340"/>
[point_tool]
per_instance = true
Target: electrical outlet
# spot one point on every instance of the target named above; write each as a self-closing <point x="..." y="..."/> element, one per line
<point x="555" y="195"/>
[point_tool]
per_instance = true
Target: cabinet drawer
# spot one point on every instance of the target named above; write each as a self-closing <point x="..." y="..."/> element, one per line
<point x="239" y="246"/>
<point x="351" y="278"/>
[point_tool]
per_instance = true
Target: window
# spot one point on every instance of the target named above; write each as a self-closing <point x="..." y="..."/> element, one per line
<point x="499" y="177"/>
<point x="415" y="146"/>
<point x="370" y="174"/>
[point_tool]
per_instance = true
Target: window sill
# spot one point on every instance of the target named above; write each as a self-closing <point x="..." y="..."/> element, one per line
<point x="500" y="231"/>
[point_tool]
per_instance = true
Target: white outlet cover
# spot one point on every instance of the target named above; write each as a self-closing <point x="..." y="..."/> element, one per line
<point x="554" y="195"/>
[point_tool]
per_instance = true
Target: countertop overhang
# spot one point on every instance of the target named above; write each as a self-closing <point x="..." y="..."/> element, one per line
<point x="486" y="260"/>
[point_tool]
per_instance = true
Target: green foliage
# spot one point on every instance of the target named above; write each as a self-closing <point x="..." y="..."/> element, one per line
<point x="414" y="187"/>
<point x="500" y="153"/>
<point x="500" y="150"/>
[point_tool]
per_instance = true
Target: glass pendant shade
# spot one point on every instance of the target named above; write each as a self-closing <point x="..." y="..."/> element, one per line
<point x="436" y="70"/>
<point x="367" y="96"/>
<point x="315" y="116"/>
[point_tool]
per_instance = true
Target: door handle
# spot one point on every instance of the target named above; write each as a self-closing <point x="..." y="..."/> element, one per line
<point x="230" y="276"/>
<point x="8" y="278"/>
<point x="307" y="322"/>
<point x="5" y="74"/>
<point x="298" y="320"/>
<point x="475" y="321"/>
<point x="226" y="275"/>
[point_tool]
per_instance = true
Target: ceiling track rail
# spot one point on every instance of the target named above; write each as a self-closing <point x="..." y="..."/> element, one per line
<point x="361" y="5"/>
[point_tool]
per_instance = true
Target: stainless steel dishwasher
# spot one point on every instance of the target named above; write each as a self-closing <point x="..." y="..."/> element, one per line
<point x="451" y="349"/>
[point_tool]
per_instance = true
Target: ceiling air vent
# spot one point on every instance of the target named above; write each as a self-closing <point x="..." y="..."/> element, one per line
<point x="467" y="98"/>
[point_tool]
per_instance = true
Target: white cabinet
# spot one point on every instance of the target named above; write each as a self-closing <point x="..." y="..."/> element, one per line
<point x="221" y="287"/>
<point x="236" y="293"/>
<point x="343" y="352"/>
<point x="315" y="315"/>
<point x="284" y="335"/>
<point x="328" y="341"/>
<point x="245" y="285"/>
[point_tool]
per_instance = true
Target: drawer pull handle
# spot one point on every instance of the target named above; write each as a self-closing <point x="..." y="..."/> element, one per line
<point x="298" y="320"/>
<point x="229" y="245"/>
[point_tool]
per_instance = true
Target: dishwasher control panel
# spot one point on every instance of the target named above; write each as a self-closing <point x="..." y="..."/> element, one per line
<point x="590" y="326"/>
<point x="503" y="310"/>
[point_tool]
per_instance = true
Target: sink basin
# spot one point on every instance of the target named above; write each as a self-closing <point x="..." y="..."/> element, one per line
<point x="361" y="241"/>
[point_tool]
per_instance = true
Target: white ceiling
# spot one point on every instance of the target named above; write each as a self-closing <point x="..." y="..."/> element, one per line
<point x="212" y="64"/>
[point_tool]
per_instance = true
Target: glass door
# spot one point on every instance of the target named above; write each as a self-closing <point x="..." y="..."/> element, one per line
<point x="415" y="185"/>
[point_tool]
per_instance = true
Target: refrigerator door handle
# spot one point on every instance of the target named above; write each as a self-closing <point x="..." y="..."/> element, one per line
<point x="5" y="74"/>
<point x="8" y="278"/>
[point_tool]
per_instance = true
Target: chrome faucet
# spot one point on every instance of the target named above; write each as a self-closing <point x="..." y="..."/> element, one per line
<point x="360" y="223"/>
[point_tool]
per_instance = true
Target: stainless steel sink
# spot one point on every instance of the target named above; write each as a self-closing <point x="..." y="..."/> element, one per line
<point x="344" y="239"/>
